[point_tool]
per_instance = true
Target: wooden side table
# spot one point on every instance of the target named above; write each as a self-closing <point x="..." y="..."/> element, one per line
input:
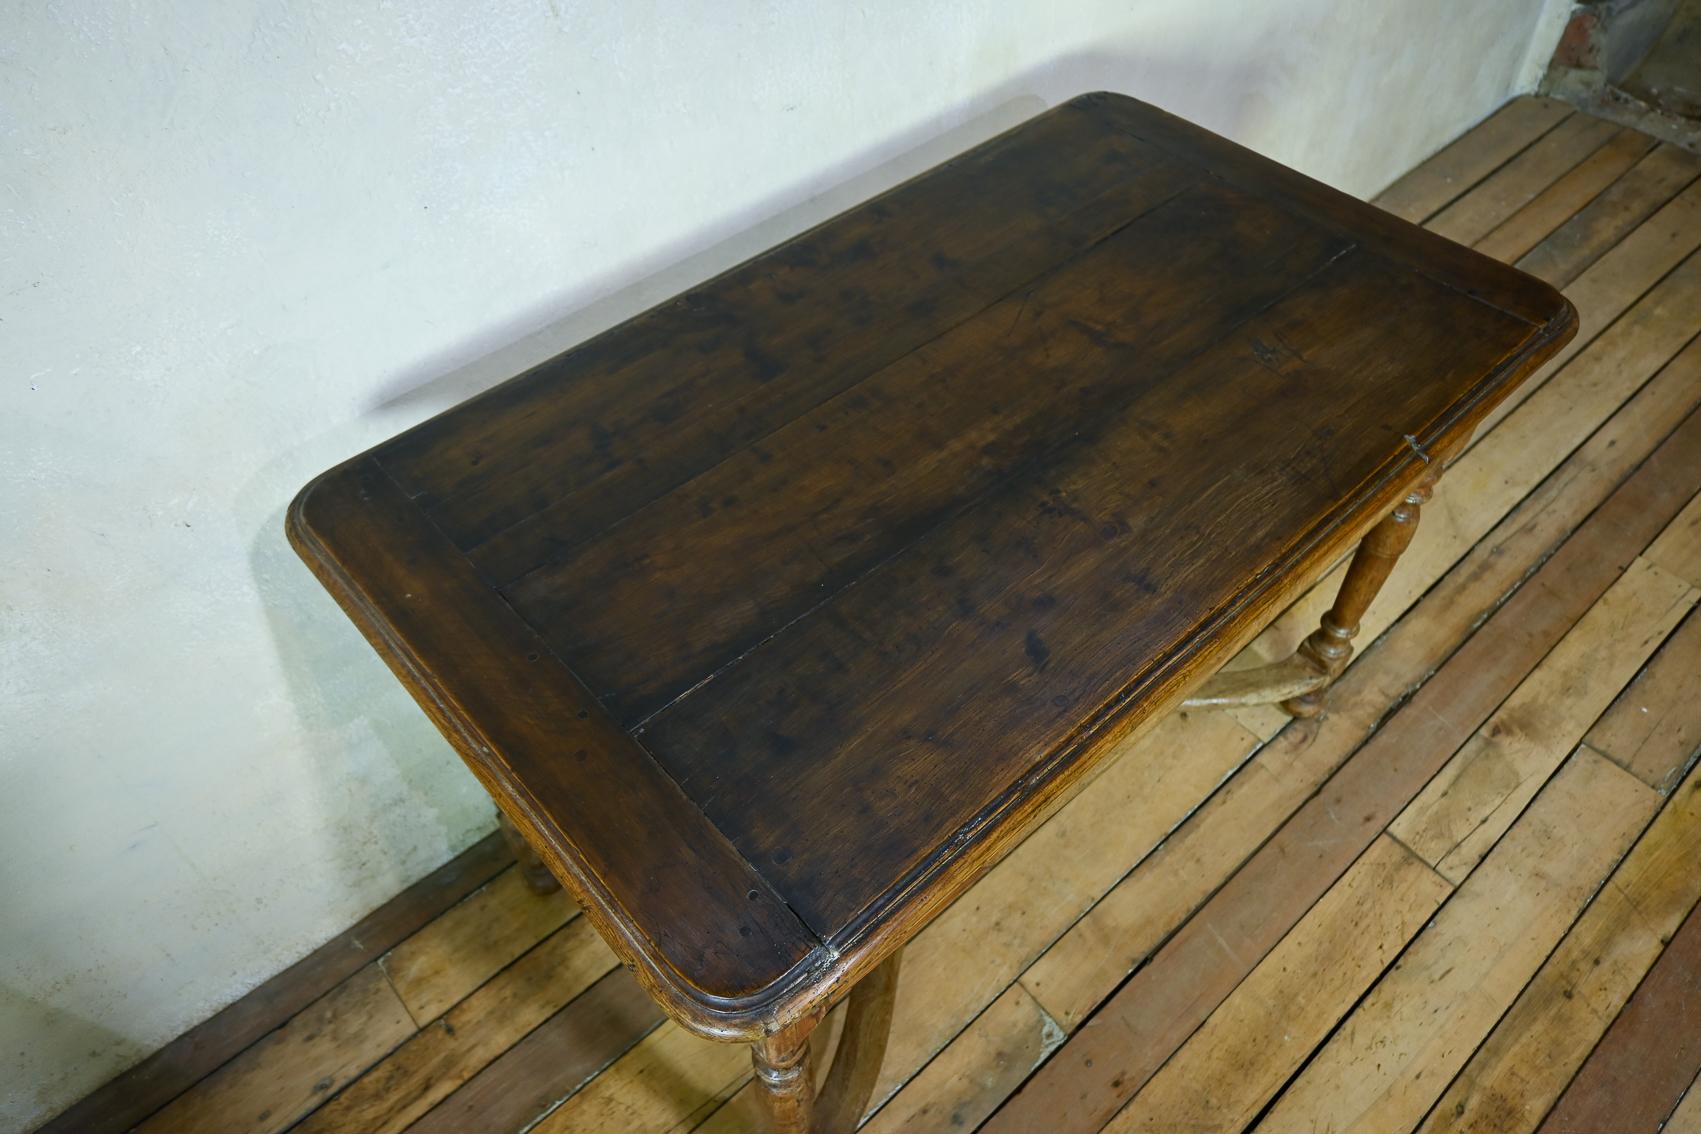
<point x="774" y="616"/>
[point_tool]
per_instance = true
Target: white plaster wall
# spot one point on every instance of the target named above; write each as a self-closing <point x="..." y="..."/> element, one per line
<point x="242" y="240"/>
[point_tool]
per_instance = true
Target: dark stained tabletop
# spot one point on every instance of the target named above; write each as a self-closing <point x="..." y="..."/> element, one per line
<point x="775" y="614"/>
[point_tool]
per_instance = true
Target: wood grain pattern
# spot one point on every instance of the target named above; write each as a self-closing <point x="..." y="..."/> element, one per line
<point x="1638" y="326"/>
<point x="535" y="870"/>
<point x="1450" y="614"/>
<point x="1620" y="281"/>
<point x="989" y="647"/>
<point x="861" y="1049"/>
<point x="1138" y="1027"/>
<point x="1639" y="1071"/>
<point x="527" y="1081"/>
<point x="1517" y="183"/>
<point x="1492" y="476"/>
<point x="1385" y="1066"/>
<point x="1653" y="729"/>
<point x="671" y="1079"/>
<point x="665" y="395"/>
<point x="1104" y="946"/>
<point x="839" y="490"/>
<point x="682" y="533"/>
<point x="587" y="788"/>
<point x="432" y="1063"/>
<point x="1606" y="359"/>
<point x="1554" y="205"/>
<point x="1471" y="802"/>
<point x="1095" y="1073"/>
<point x="294" y="1069"/>
<point x="1623" y="264"/>
<point x="1467" y="160"/>
<point x="1600" y="225"/>
<point x="1686" y="1119"/>
<point x="1375" y="230"/>
<point x="1637" y="335"/>
<point x="188" y="1059"/>
<point x="987" y="1061"/>
<point x="1678" y="549"/>
<point x="1514" y="1077"/>
<point x="1224" y="1074"/>
<point x="785" y="1079"/>
<point x="1330" y="646"/>
<point x="961" y="962"/>
<point x="1616" y="290"/>
<point x="433" y="969"/>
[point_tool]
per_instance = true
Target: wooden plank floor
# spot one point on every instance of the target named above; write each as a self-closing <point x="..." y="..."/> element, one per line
<point x="1464" y="900"/>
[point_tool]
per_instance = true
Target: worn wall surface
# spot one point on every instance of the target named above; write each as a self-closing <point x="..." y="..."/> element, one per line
<point x="240" y="241"/>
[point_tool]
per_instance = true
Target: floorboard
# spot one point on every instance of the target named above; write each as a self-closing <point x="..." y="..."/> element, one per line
<point x="1640" y="1070"/>
<point x="193" y="1056"/>
<point x="1382" y="1069"/>
<point x="1655" y="726"/>
<point x="1514" y="1077"/>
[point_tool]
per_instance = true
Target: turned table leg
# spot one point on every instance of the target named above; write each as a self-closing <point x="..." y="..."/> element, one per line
<point x="785" y="1079"/>
<point x="537" y="875"/>
<point x="1330" y="646"/>
<point x="1300" y="680"/>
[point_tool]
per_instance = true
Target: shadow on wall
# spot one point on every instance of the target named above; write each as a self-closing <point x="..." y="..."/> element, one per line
<point x="72" y="1033"/>
<point x="332" y="673"/>
<point x="590" y="307"/>
<point x="370" y="743"/>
